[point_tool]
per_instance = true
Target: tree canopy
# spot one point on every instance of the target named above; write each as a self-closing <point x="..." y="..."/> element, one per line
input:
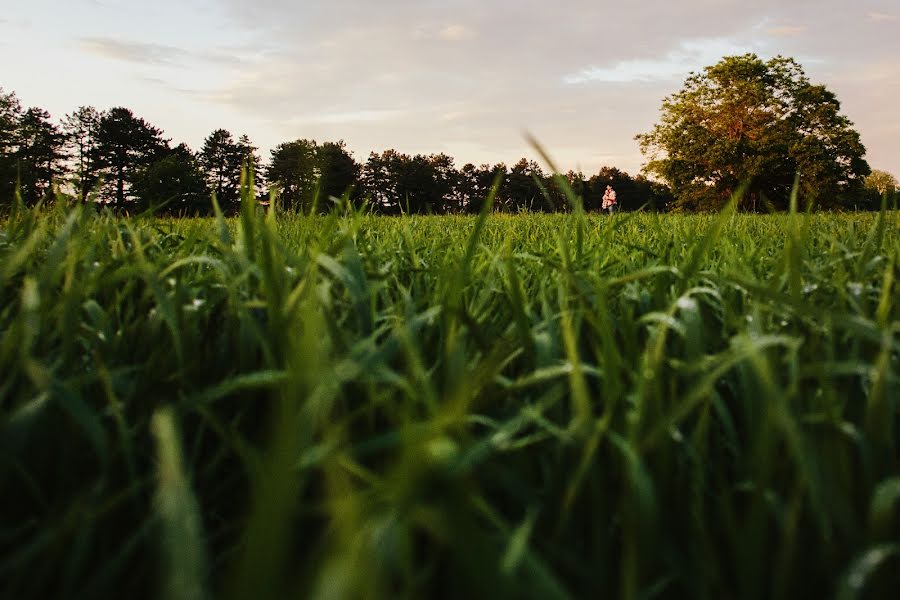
<point x="745" y="121"/>
<point x="126" y="145"/>
<point x="881" y="182"/>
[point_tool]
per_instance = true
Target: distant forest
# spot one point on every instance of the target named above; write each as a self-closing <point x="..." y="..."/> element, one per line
<point x="116" y="158"/>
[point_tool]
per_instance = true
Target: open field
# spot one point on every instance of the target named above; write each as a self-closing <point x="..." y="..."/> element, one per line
<point x="637" y="406"/>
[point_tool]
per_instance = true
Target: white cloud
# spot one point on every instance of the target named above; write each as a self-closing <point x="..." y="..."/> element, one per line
<point x="690" y="56"/>
<point x="136" y="52"/>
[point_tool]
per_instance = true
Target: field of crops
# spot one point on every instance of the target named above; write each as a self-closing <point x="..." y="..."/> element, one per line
<point x="531" y="406"/>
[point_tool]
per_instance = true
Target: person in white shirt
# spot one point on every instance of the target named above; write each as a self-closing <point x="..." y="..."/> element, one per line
<point x="609" y="200"/>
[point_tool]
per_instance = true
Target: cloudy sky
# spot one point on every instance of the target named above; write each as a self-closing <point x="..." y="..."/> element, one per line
<point x="465" y="77"/>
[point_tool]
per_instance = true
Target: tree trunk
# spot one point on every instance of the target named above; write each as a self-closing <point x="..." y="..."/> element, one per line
<point x="120" y="187"/>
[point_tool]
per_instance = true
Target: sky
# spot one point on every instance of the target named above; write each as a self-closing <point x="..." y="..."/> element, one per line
<point x="465" y="77"/>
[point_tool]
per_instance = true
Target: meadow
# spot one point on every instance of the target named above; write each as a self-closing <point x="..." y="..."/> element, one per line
<point x="507" y="406"/>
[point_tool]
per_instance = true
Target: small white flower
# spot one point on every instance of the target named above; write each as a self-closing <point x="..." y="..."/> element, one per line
<point x="686" y="303"/>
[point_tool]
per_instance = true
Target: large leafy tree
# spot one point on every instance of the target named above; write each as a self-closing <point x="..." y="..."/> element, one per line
<point x="881" y="182"/>
<point x="379" y="178"/>
<point x="126" y="145"/>
<point x="419" y="187"/>
<point x="41" y="154"/>
<point x="293" y="172"/>
<point x="880" y="185"/>
<point x="81" y="129"/>
<point x="339" y="172"/>
<point x="173" y="183"/>
<point x="305" y="171"/>
<point x="754" y="122"/>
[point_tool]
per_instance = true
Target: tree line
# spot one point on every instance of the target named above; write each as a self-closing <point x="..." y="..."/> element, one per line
<point x="743" y="126"/>
<point x="119" y="159"/>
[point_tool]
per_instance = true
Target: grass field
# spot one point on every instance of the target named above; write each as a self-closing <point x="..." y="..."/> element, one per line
<point x="347" y="406"/>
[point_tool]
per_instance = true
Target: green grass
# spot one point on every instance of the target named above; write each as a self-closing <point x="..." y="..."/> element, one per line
<point x="636" y="406"/>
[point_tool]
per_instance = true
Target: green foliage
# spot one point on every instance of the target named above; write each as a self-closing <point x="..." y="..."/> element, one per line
<point x="174" y="182"/>
<point x="502" y="406"/>
<point x="81" y="129"/>
<point x="40" y="155"/>
<point x="126" y="145"/>
<point x="223" y="160"/>
<point x="10" y="117"/>
<point x="881" y="182"/>
<point x="294" y="171"/>
<point x="746" y="121"/>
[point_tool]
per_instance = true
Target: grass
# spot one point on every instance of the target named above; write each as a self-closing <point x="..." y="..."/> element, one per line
<point x="639" y="406"/>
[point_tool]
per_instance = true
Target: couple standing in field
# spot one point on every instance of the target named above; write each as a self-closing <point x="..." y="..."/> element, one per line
<point x="609" y="200"/>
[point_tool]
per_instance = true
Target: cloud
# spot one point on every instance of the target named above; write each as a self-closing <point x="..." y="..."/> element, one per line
<point x="882" y="17"/>
<point x="135" y="52"/>
<point x="152" y="54"/>
<point x="689" y="56"/>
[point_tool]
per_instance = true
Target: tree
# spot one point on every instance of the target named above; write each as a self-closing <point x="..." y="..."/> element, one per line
<point x="746" y="121"/>
<point x="222" y="159"/>
<point x="397" y="182"/>
<point x="305" y="171"/>
<point x="418" y="187"/>
<point x="81" y="129"/>
<point x="475" y="184"/>
<point x="447" y="197"/>
<point x="174" y="183"/>
<point x="250" y="160"/>
<point x="881" y="182"/>
<point x="293" y="172"/>
<point x="126" y="145"/>
<point x="10" y="116"/>
<point x="339" y="171"/>
<point x="525" y="187"/>
<point x="379" y="181"/>
<point x="878" y="185"/>
<point x="40" y="155"/>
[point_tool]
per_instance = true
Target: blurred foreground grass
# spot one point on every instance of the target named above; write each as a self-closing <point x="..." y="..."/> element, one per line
<point x="350" y="406"/>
